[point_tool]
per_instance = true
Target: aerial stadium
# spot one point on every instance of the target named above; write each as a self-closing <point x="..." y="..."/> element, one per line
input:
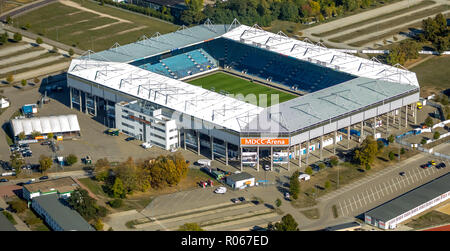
<point x="239" y="93"/>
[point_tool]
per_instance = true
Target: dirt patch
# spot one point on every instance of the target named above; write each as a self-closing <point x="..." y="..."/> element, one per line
<point x="78" y="6"/>
<point x="130" y="30"/>
<point x="103" y="26"/>
<point x="312" y="214"/>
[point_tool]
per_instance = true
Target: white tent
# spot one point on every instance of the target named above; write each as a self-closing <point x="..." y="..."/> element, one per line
<point x="44" y="125"/>
<point x="4" y="103"/>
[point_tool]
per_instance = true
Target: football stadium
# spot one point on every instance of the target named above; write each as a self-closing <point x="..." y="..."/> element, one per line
<point x="239" y="94"/>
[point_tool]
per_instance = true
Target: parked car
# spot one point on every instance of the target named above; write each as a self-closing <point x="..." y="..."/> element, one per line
<point x="46" y="143"/>
<point x="43" y="178"/>
<point x="242" y="199"/>
<point x="146" y="145"/>
<point x="221" y="190"/>
<point x="402" y="173"/>
<point x="24" y="145"/>
<point x="4" y="180"/>
<point x="234" y="200"/>
<point x="129" y="139"/>
<point x="442" y="164"/>
<point x="432" y="162"/>
<point x="287" y="196"/>
<point x="266" y="167"/>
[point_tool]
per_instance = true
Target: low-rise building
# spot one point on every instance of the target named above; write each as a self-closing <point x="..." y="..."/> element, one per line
<point x="240" y="180"/>
<point x="58" y="215"/>
<point x="63" y="187"/>
<point x="393" y="212"/>
<point x="147" y="123"/>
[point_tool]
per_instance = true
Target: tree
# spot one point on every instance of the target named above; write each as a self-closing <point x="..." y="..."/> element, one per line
<point x="98" y="225"/>
<point x="35" y="134"/>
<point x="71" y="52"/>
<point x="391" y="138"/>
<point x="45" y="163"/>
<point x="423" y="141"/>
<point x="50" y="135"/>
<point x="429" y="121"/>
<point x="287" y="223"/>
<point x="17" y="37"/>
<point x="294" y="185"/>
<point x="71" y="159"/>
<point x="190" y="227"/>
<point x="334" y="161"/>
<point x="402" y="151"/>
<point x="309" y="170"/>
<point x="85" y="205"/>
<point x="8" y="20"/>
<point x="436" y="135"/>
<point x="39" y="40"/>
<point x="10" y="78"/>
<point x="278" y="202"/>
<point x="118" y="190"/>
<point x="4" y="38"/>
<point x="321" y="166"/>
<point x="365" y="154"/>
<point x="17" y="162"/>
<point x="22" y="136"/>
<point x="23" y="82"/>
<point x="18" y="205"/>
<point x="116" y="203"/>
<point x="391" y="155"/>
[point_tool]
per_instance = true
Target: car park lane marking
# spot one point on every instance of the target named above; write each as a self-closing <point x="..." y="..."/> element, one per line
<point x="368" y="196"/>
<point x="340" y="207"/>
<point x="381" y="190"/>
<point x="350" y="204"/>
<point x="373" y="194"/>
<point x="420" y="174"/>
<point x="360" y="202"/>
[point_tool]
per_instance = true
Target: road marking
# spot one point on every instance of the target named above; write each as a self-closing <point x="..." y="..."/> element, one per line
<point x="392" y="190"/>
<point x="359" y="200"/>
<point x="420" y="174"/>
<point x="365" y="202"/>
<point x="381" y="190"/>
<point x="350" y="205"/>
<point x="429" y="172"/>
<point x="340" y="207"/>
<point x="407" y="179"/>
<point x="368" y="196"/>
<point x="387" y="192"/>
<point x="356" y="206"/>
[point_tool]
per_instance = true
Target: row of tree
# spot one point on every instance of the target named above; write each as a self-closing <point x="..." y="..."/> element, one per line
<point x="436" y="31"/>
<point x="163" y="13"/>
<point x="131" y="175"/>
<point x="263" y="12"/>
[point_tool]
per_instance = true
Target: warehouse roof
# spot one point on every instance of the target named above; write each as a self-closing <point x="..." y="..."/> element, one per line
<point x="157" y="44"/>
<point x="411" y="199"/>
<point x="240" y="176"/>
<point x="67" y="218"/>
<point x="5" y="224"/>
<point x="44" y="125"/>
<point x="61" y="185"/>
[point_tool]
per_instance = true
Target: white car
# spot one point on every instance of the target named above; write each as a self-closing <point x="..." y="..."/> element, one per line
<point x="221" y="190"/>
<point x="146" y="145"/>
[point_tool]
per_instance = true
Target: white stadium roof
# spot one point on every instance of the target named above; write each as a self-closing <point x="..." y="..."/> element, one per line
<point x="44" y="125"/>
<point x="230" y="113"/>
<point x="318" y="54"/>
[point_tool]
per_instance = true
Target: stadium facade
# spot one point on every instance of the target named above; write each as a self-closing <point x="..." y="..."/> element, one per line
<point x="336" y="92"/>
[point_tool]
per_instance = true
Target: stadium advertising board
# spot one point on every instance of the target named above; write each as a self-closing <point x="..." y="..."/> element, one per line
<point x="264" y="141"/>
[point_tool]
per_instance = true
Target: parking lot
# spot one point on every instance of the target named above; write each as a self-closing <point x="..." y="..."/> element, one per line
<point x="371" y="194"/>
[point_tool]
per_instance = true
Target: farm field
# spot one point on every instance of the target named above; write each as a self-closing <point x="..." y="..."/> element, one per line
<point x="89" y="26"/>
<point x="227" y="84"/>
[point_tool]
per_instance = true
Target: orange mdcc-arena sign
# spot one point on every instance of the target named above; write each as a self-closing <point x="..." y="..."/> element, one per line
<point x="265" y="141"/>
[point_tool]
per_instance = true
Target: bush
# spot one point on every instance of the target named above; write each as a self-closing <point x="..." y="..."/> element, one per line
<point x="321" y="166"/>
<point x="278" y="202"/>
<point x="17" y="37"/>
<point x="368" y="167"/>
<point x="116" y="203"/>
<point x="71" y="159"/>
<point x="391" y="155"/>
<point x="436" y="135"/>
<point x="309" y="170"/>
<point x="39" y="40"/>
<point x="18" y="205"/>
<point x="402" y="151"/>
<point x="429" y="121"/>
<point x="423" y="141"/>
<point x="10" y="78"/>
<point x="327" y="184"/>
<point x="98" y="225"/>
<point x="23" y="82"/>
<point x="71" y="52"/>
<point x="334" y="161"/>
<point x="9" y="217"/>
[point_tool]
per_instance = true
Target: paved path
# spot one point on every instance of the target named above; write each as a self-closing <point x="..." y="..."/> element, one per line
<point x="365" y="16"/>
<point x="4" y="51"/>
<point x="31" y="64"/>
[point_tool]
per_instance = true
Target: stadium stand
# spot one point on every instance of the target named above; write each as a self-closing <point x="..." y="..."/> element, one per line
<point x="182" y="65"/>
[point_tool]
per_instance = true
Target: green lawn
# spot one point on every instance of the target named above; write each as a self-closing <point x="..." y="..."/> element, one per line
<point x="434" y="72"/>
<point x="240" y="88"/>
<point x="73" y="26"/>
<point x="94" y="186"/>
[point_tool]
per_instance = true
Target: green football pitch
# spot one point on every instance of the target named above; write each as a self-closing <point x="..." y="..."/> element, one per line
<point x="241" y="89"/>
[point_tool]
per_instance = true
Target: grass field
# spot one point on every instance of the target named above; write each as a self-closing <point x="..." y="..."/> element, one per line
<point x="377" y="18"/>
<point x="434" y="72"/>
<point x="236" y="86"/>
<point x="391" y="23"/>
<point x="90" y="30"/>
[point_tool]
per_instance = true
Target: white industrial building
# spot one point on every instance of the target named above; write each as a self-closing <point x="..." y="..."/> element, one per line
<point x="63" y="125"/>
<point x="240" y="180"/>
<point x="414" y="202"/>
<point x="339" y="91"/>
